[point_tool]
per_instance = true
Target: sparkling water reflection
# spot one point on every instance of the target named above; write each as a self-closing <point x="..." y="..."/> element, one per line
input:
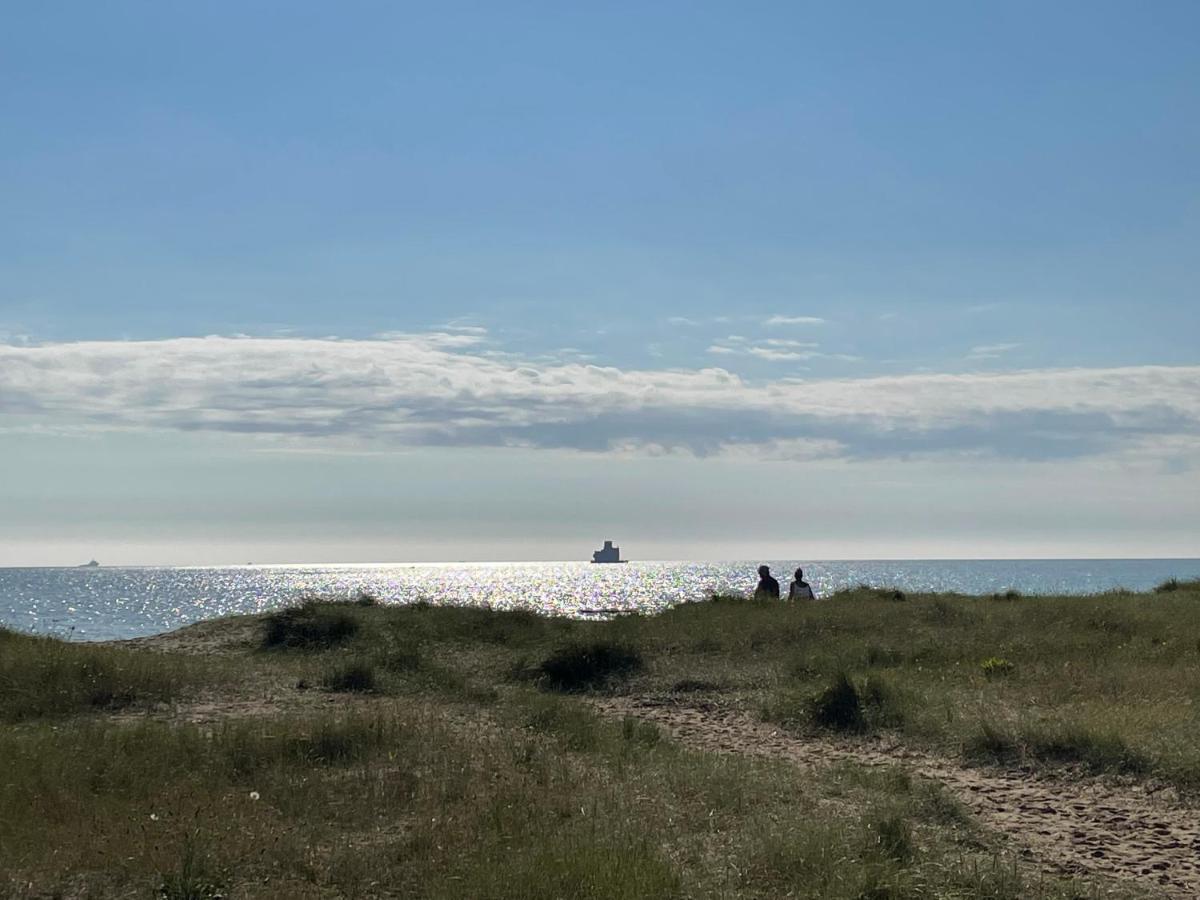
<point x="103" y="603"/>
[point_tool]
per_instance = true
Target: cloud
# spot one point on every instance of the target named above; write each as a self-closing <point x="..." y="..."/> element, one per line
<point x="794" y="320"/>
<point x="769" y="353"/>
<point x="692" y="322"/>
<point x="990" y="351"/>
<point x="783" y="342"/>
<point x="444" y="389"/>
<point x="773" y="355"/>
<point x="776" y="350"/>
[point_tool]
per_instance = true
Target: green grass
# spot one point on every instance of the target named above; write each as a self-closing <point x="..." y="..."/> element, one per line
<point x="44" y="677"/>
<point x="554" y="803"/>
<point x="1115" y="670"/>
<point x="444" y="768"/>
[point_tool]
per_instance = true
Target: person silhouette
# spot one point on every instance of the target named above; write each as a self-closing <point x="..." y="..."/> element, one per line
<point x="768" y="587"/>
<point x="801" y="589"/>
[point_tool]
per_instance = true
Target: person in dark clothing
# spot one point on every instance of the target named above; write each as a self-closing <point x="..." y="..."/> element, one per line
<point x="768" y="587"/>
<point x="801" y="589"/>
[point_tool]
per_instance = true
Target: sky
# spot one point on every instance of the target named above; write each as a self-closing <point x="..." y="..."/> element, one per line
<point x="371" y="282"/>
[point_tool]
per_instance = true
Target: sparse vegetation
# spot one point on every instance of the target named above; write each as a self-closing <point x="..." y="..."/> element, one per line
<point x="445" y="768"/>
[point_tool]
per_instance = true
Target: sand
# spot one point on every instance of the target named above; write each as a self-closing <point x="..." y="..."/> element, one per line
<point x="1082" y="826"/>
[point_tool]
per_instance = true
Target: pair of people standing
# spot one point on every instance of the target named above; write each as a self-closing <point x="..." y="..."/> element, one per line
<point x="768" y="587"/>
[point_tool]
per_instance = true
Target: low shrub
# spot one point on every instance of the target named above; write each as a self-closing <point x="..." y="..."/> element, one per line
<point x="580" y="667"/>
<point x="1008" y="595"/>
<point x="356" y="677"/>
<point x="997" y="667"/>
<point x="838" y="707"/>
<point x="314" y="625"/>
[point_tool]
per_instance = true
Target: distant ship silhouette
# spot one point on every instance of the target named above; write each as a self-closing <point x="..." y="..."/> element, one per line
<point x="608" y="554"/>
<point x="89" y="565"/>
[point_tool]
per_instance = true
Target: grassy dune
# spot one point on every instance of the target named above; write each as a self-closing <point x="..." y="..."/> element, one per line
<point x="357" y="750"/>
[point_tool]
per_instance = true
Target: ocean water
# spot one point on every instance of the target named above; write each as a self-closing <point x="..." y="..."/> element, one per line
<point x="105" y="603"/>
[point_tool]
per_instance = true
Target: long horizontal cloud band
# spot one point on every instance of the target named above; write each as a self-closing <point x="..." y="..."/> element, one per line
<point x="450" y="390"/>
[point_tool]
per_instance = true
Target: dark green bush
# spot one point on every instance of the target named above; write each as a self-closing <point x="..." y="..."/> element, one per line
<point x="314" y="625"/>
<point x="839" y="706"/>
<point x="354" y="677"/>
<point x="579" y="667"/>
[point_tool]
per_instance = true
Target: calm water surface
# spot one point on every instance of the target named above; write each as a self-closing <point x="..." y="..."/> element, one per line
<point x="103" y="603"/>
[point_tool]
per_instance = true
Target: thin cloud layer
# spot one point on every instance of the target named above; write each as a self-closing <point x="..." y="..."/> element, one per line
<point x="794" y="320"/>
<point x="448" y="389"/>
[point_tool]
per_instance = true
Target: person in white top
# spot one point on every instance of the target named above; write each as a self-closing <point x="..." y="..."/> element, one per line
<point x="801" y="589"/>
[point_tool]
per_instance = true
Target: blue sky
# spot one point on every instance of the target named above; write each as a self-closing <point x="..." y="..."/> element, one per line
<point x="487" y="280"/>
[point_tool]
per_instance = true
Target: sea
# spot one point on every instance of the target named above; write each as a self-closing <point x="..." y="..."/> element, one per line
<point x="105" y="603"/>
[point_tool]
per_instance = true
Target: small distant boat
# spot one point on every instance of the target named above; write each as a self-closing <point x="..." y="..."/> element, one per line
<point x="92" y="564"/>
<point x="608" y="554"/>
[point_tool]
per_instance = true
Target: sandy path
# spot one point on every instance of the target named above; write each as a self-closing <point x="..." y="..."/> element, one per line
<point x="1078" y="826"/>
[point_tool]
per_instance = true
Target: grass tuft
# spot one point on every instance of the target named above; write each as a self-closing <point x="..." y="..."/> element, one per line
<point x="890" y="836"/>
<point x="581" y="667"/>
<point x="838" y="707"/>
<point x="997" y="667"/>
<point x="193" y="881"/>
